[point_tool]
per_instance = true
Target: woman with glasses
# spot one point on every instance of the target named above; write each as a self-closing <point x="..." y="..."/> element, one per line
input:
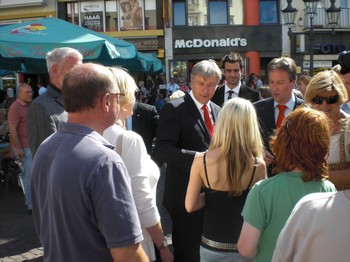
<point x="326" y="92"/>
<point x="144" y="173"/>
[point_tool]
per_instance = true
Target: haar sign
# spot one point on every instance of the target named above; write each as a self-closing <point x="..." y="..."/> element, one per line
<point x="198" y="43"/>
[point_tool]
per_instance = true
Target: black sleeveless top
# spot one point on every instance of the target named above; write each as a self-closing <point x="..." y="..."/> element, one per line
<point x="222" y="214"/>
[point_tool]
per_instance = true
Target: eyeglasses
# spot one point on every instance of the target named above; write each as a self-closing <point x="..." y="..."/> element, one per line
<point x="117" y="94"/>
<point x="318" y="100"/>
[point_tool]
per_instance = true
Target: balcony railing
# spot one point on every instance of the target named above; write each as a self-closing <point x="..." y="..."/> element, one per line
<point x="320" y="19"/>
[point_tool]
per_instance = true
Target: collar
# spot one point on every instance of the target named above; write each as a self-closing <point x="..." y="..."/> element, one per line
<point x="22" y="103"/>
<point x="65" y="127"/>
<point x="290" y="104"/>
<point x="235" y="89"/>
<point x="198" y="104"/>
<point x="55" y="88"/>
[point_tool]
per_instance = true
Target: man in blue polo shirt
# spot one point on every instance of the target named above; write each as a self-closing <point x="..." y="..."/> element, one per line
<point x="82" y="202"/>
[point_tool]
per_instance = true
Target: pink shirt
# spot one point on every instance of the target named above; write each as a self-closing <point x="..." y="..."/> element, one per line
<point x="17" y="115"/>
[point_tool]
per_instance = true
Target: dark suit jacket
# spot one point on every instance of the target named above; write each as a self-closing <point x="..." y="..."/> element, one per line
<point x="266" y="116"/>
<point x="43" y="117"/>
<point x="244" y="92"/>
<point x="181" y="133"/>
<point x="144" y="122"/>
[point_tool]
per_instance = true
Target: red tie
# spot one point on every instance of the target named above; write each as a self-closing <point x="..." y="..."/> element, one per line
<point x="280" y="117"/>
<point x="208" y="121"/>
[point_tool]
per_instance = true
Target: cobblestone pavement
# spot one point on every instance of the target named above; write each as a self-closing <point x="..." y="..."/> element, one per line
<point x="18" y="239"/>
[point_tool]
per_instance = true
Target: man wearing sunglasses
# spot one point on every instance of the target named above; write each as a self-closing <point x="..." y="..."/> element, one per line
<point x="344" y="73"/>
<point x="282" y="74"/>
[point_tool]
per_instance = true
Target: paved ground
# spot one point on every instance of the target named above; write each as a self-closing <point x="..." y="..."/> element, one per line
<point x="18" y="239"/>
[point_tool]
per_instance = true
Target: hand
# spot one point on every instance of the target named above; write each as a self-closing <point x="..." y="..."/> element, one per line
<point x="268" y="158"/>
<point x="20" y="154"/>
<point x="166" y="255"/>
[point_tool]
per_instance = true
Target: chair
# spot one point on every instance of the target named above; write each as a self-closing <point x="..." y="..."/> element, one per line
<point x="9" y="170"/>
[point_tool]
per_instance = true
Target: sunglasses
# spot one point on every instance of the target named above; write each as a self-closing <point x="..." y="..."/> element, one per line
<point x="318" y="100"/>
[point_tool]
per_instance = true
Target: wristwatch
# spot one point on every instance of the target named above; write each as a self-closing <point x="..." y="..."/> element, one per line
<point x="163" y="245"/>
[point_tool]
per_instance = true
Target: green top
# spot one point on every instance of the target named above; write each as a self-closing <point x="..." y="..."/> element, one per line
<point x="270" y="202"/>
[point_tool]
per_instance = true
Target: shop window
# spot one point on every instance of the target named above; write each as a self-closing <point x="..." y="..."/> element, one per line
<point x="150" y="14"/>
<point x="268" y="12"/>
<point x="218" y="12"/>
<point x="344" y="4"/>
<point x="112" y="16"/>
<point x="179" y="13"/>
<point x="236" y="12"/>
<point x="179" y="70"/>
<point x="73" y="13"/>
<point x="197" y="13"/>
<point x="203" y="12"/>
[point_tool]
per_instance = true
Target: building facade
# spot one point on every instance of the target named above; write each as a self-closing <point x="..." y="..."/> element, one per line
<point x="183" y="32"/>
<point x="202" y="29"/>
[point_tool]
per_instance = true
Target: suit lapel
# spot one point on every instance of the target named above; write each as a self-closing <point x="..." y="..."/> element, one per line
<point x="270" y="115"/>
<point x="214" y="112"/>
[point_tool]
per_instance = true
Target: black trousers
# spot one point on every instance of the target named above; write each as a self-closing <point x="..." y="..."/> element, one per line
<point x="186" y="236"/>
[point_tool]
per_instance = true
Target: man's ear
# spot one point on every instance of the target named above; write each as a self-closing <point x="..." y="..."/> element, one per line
<point x="54" y="68"/>
<point x="105" y="102"/>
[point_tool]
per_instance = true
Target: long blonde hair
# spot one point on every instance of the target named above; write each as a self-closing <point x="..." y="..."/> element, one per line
<point x="237" y="134"/>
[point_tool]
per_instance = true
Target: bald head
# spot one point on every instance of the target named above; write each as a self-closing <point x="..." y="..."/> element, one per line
<point x="85" y="84"/>
<point x="25" y="92"/>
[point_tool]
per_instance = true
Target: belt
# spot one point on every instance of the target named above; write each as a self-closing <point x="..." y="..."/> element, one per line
<point x="219" y="245"/>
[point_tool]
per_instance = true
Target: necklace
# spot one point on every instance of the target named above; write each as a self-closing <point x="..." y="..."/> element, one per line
<point x="120" y="123"/>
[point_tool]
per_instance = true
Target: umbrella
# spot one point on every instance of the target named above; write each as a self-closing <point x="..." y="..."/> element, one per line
<point x="23" y="46"/>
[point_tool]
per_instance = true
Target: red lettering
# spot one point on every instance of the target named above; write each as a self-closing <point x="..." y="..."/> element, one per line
<point x="13" y="51"/>
<point x="37" y="51"/>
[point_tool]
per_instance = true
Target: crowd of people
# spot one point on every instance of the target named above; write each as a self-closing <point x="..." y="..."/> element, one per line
<point x="249" y="175"/>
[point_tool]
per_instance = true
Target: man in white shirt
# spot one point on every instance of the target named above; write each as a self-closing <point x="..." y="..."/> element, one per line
<point x="172" y="87"/>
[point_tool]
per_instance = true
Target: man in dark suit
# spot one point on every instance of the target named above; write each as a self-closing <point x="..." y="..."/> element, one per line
<point x="183" y="130"/>
<point x="282" y="74"/>
<point x="144" y="122"/>
<point x="232" y="66"/>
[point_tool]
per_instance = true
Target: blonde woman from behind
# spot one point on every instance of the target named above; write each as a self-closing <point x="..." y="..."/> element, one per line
<point x="232" y="164"/>
<point x="144" y="173"/>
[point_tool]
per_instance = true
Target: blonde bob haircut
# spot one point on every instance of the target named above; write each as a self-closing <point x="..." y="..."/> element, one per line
<point x="324" y="83"/>
<point x="237" y="134"/>
<point x="303" y="142"/>
<point x="126" y="84"/>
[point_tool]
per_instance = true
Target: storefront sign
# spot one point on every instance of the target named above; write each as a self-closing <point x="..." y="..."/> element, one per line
<point x="144" y="44"/>
<point x="198" y="43"/>
<point x="329" y="48"/>
<point x="92" y="15"/>
<point x="227" y="38"/>
<point x="318" y="64"/>
<point x="18" y="3"/>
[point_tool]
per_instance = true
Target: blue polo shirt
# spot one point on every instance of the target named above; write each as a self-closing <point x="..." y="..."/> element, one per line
<point x="82" y="200"/>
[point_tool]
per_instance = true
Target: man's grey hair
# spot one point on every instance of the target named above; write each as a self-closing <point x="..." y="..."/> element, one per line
<point x="206" y="69"/>
<point x="58" y="55"/>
